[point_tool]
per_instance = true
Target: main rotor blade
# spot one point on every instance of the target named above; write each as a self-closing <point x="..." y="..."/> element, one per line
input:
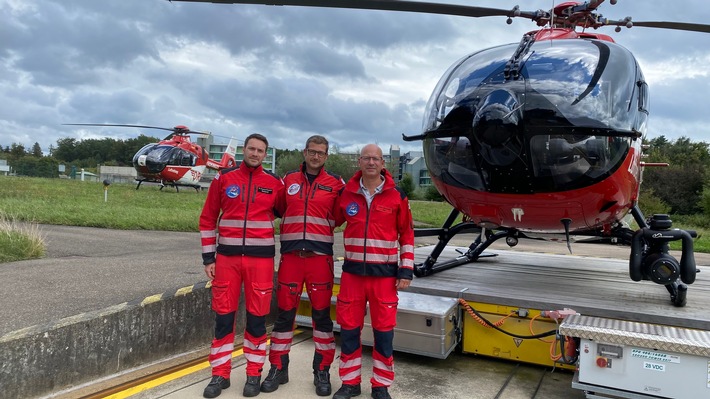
<point x="388" y="5"/>
<point x="117" y="125"/>
<point x="674" y="25"/>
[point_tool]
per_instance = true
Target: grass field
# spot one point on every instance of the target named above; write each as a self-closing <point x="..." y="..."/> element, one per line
<point x="121" y="206"/>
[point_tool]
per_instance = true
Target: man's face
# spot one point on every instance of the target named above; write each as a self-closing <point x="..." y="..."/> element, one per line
<point x="315" y="156"/>
<point x="254" y="152"/>
<point x="371" y="162"/>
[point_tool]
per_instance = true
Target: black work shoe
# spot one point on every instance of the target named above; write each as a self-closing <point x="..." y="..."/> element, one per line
<point x="321" y="379"/>
<point x="251" y="387"/>
<point x="347" y="391"/>
<point x="380" y="393"/>
<point x="275" y="378"/>
<point x="215" y="387"/>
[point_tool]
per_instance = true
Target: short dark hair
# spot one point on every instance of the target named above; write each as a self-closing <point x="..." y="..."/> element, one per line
<point x="317" y="139"/>
<point x="257" y="136"/>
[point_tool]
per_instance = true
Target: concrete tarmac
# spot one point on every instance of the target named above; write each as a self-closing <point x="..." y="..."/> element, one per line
<point x="456" y="377"/>
<point x="88" y="269"/>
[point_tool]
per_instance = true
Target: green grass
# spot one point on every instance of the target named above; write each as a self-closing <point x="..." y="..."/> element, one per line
<point x="77" y="203"/>
<point x="19" y="241"/>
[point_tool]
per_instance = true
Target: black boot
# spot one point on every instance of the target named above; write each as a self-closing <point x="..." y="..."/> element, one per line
<point x="321" y="379"/>
<point x="215" y="387"/>
<point x="380" y="393"/>
<point x="275" y="378"/>
<point x="347" y="391"/>
<point x="251" y="388"/>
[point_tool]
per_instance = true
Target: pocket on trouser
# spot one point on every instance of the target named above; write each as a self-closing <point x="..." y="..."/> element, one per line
<point x="261" y="295"/>
<point x="320" y="294"/>
<point x="288" y="295"/>
<point x="349" y="315"/>
<point x="222" y="298"/>
<point x="385" y="316"/>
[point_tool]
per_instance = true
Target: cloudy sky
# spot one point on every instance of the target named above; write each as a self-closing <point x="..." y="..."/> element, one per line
<point x="355" y="76"/>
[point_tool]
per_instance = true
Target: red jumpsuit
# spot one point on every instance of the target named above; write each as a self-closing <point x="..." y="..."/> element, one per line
<point x="306" y="234"/>
<point x="379" y="249"/>
<point x="240" y="210"/>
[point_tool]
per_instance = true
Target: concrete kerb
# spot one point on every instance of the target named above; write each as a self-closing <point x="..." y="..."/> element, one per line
<point x="60" y="356"/>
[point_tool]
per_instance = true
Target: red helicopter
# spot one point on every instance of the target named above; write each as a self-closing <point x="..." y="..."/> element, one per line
<point x="543" y="136"/>
<point x="175" y="161"/>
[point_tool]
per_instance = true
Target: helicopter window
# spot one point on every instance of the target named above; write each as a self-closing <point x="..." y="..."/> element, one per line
<point x="461" y="80"/>
<point x="589" y="83"/>
<point x="144" y="151"/>
<point x="643" y="96"/>
<point x="567" y="160"/>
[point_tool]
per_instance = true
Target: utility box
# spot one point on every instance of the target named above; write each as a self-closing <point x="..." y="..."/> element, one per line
<point x="639" y="360"/>
<point x="426" y="325"/>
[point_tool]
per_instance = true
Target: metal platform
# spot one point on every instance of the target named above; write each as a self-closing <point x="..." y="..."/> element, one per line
<point x="592" y="286"/>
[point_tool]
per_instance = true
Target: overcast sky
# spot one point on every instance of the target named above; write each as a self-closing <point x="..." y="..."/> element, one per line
<point x="354" y="76"/>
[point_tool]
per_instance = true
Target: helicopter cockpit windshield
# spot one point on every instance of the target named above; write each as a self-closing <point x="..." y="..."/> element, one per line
<point x="155" y="157"/>
<point x="563" y="122"/>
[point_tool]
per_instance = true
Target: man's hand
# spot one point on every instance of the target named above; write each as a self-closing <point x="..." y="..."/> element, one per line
<point x="403" y="283"/>
<point x="209" y="271"/>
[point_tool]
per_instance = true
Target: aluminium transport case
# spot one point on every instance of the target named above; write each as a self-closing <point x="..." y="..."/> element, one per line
<point x="426" y="325"/>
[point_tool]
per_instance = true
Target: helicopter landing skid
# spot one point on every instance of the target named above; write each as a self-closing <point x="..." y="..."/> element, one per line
<point x="446" y="233"/>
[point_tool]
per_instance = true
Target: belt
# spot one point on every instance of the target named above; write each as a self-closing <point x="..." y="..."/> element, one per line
<point x="304" y="254"/>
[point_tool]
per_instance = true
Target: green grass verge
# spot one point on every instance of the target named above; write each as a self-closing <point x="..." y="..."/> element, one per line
<point x="20" y="241"/>
<point x="77" y="203"/>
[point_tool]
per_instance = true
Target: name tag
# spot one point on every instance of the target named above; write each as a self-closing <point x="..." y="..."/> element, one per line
<point x="325" y="188"/>
<point x="264" y="190"/>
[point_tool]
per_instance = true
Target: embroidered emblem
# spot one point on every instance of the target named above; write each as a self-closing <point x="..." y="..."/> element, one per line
<point x="294" y="189"/>
<point x="232" y="191"/>
<point x="352" y="209"/>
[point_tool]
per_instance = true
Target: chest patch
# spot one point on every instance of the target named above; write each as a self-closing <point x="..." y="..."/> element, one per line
<point x="264" y="190"/>
<point x="352" y="209"/>
<point x="294" y="188"/>
<point x="232" y="191"/>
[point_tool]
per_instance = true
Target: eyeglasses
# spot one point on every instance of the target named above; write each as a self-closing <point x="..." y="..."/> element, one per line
<point x="371" y="159"/>
<point x="313" y="153"/>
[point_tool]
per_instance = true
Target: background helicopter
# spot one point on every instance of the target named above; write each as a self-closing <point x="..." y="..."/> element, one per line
<point x="543" y="136"/>
<point x="174" y="161"/>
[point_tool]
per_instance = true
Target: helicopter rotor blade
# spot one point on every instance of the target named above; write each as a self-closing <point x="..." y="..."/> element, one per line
<point x="117" y="125"/>
<point x="387" y="5"/>
<point x="174" y="130"/>
<point x="673" y="25"/>
<point x="541" y="17"/>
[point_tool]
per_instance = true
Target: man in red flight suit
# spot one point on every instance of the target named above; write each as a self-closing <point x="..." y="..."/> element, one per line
<point x="306" y="234"/>
<point x="240" y="209"/>
<point x="379" y="260"/>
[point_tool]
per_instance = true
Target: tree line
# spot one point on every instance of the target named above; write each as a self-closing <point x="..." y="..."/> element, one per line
<point x="681" y="188"/>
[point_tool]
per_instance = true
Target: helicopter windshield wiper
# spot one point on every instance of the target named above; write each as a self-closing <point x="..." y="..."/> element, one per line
<point x="433" y="134"/>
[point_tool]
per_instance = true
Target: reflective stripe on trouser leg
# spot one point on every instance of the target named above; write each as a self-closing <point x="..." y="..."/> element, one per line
<point x="254" y="351"/>
<point x="382" y="359"/>
<point x="350" y="368"/>
<point x="220" y="356"/>
<point x="383" y="314"/>
<point x="281" y="340"/>
<point x="323" y="339"/>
